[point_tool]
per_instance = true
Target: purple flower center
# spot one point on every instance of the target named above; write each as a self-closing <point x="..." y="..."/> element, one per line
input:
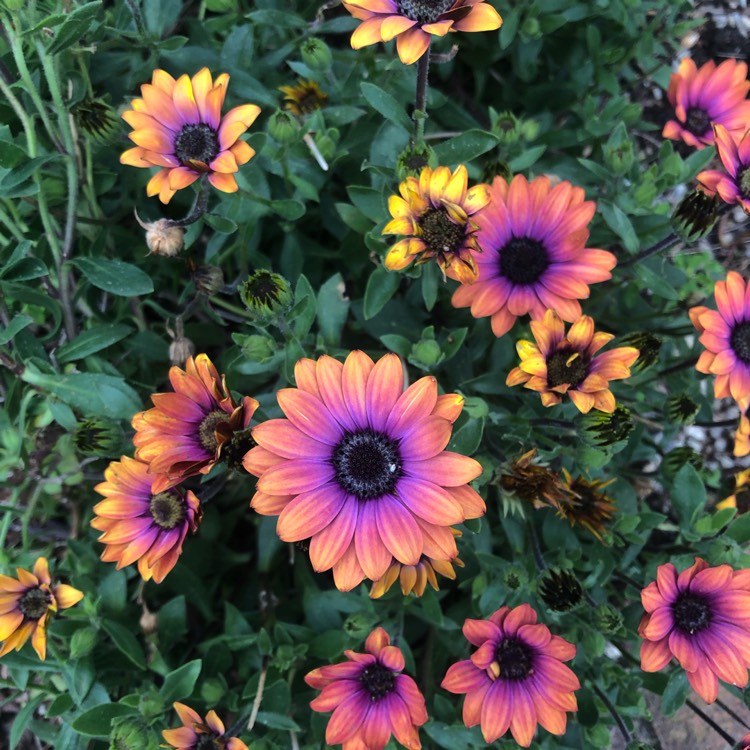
<point x="692" y="612"/>
<point x="378" y="681"/>
<point x="367" y="464"/>
<point x="207" y="429"/>
<point x="743" y="183"/>
<point x="566" y="367"/>
<point x="697" y="121"/>
<point x="34" y="603"/>
<point x="196" y="142"/>
<point x="515" y="658"/>
<point x="424" y="11"/>
<point x="523" y="260"/>
<point x="740" y="341"/>
<point x="441" y="235"/>
<point x="168" y="510"/>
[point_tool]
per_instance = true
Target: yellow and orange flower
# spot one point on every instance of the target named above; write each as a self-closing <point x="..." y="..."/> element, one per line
<point x="413" y="22"/>
<point x="304" y="98"/>
<point x="27" y="604"/>
<point x="741" y="497"/>
<point x="177" y="125"/>
<point x="742" y="436"/>
<point x="195" y="733"/>
<point x="435" y="211"/>
<point x="558" y="363"/>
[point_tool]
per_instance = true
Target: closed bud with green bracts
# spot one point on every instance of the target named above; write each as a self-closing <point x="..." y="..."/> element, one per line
<point x="695" y="216"/>
<point x="283" y="127"/>
<point x="607" y="619"/>
<point x="257" y="348"/>
<point x="96" y="119"/>
<point x="267" y="296"/>
<point x="599" y="429"/>
<point x="426" y="353"/>
<point x="514" y="577"/>
<point x="679" y="457"/>
<point x="648" y="347"/>
<point x="682" y="409"/>
<point x="507" y="128"/>
<point x="496" y="168"/>
<point x="413" y="159"/>
<point x="208" y="279"/>
<point x="98" y="437"/>
<point x="618" y="151"/>
<point x="132" y="733"/>
<point x="560" y="590"/>
<point x="316" y="54"/>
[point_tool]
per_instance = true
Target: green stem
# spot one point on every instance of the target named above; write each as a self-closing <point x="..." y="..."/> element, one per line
<point x="11" y="225"/>
<point x="665" y="244"/>
<point x="624" y="731"/>
<point x="420" y="105"/>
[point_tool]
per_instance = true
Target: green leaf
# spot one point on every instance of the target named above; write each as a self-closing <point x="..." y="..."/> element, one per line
<point x="468" y="437"/>
<point x="10" y="154"/>
<point x="430" y="278"/>
<point x="381" y="286"/>
<point x="23" y="717"/>
<point x="333" y="309"/>
<point x="17" y="182"/>
<point x="465" y="147"/>
<point x="92" y="341"/>
<point x="79" y="677"/>
<point x="619" y="223"/>
<point x="353" y="218"/>
<point x="180" y="683"/>
<point x="18" y="323"/>
<point x="289" y="209"/>
<point x="688" y="496"/>
<point x="385" y="104"/>
<point x="526" y="159"/>
<point x="24" y="269"/>
<point x="63" y="703"/>
<point x="114" y="276"/>
<point x="23" y="293"/>
<point x="396" y="343"/>
<point x="369" y="201"/>
<point x="277" y="18"/>
<point x="126" y="642"/>
<point x="75" y="25"/>
<point x="97" y="721"/>
<point x="277" y="721"/>
<point x="302" y="315"/>
<point x="220" y="223"/>
<point x="676" y="693"/>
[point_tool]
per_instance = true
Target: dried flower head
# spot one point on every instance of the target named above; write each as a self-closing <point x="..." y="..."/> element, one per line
<point x="534" y="483"/>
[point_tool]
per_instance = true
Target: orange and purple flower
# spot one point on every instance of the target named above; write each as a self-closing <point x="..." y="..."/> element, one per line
<point x="196" y="734"/>
<point x="706" y="96"/>
<point x="413" y="22"/>
<point x="141" y="524"/>
<point x="745" y="742"/>
<point x="370" y="698"/>
<point x="534" y="256"/>
<point x="700" y="616"/>
<point x="177" y="125"/>
<point x="733" y="186"/>
<point x="27" y="604"/>
<point x="189" y="431"/>
<point x="726" y="335"/>
<point x="560" y="363"/>
<point x="516" y="678"/>
<point x="359" y="467"/>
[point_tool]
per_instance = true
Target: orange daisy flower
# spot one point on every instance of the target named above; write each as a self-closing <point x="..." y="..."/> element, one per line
<point x="412" y="22"/>
<point x="26" y="604"/>
<point x="558" y="363"/>
<point x="197" y="734"/>
<point x="177" y="125"/>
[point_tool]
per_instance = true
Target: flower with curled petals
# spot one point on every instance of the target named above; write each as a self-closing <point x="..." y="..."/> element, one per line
<point x="359" y="467"/>
<point x="560" y="363"/>
<point x="534" y="256"/>
<point x="732" y="186"/>
<point x="700" y="616"/>
<point x="27" y="604"/>
<point x="189" y="431"/>
<point x="370" y="698"/>
<point x="197" y="734"/>
<point x="705" y="96"/>
<point x="413" y="22"/>
<point x="413" y="579"/>
<point x="177" y="125"/>
<point x="516" y="678"/>
<point x="435" y="211"/>
<point x="726" y="335"/>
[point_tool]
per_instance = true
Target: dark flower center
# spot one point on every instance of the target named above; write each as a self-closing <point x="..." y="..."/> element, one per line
<point x="168" y="510"/>
<point x="424" y="11"/>
<point x="565" y="367"/>
<point x="367" y="464"/>
<point x="207" y="429"/>
<point x="515" y="658"/>
<point x="262" y="288"/>
<point x="234" y="451"/>
<point x="34" y="603"/>
<point x="697" y="121"/>
<point x="742" y="498"/>
<point x="378" y="681"/>
<point x="740" y="341"/>
<point x="743" y="182"/>
<point x="196" y="142"/>
<point x="523" y="260"/>
<point x="692" y="613"/>
<point x="441" y="235"/>
<point x="207" y="742"/>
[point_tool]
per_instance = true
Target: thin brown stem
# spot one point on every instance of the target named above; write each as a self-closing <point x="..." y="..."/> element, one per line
<point x="420" y="104"/>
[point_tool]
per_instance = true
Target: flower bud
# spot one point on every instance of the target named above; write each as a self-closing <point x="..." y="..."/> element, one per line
<point x="695" y="216"/>
<point x="209" y="280"/>
<point x="257" y="348"/>
<point x="496" y="168"/>
<point x="648" y="347"/>
<point x="679" y="457"/>
<point x="413" y="159"/>
<point x="507" y="128"/>
<point x="514" y="577"/>
<point x="682" y="409"/>
<point x="560" y="590"/>
<point x="316" y="54"/>
<point x="426" y="353"/>
<point x="212" y="691"/>
<point x="607" y="619"/>
<point x="162" y="237"/>
<point x="98" y="437"/>
<point x="131" y="733"/>
<point x="283" y="127"/>
<point x="600" y="429"/>
<point x="96" y="119"/>
<point x="267" y="296"/>
<point x="618" y="151"/>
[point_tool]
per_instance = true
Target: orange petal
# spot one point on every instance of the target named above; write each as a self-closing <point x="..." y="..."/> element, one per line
<point x="411" y="45"/>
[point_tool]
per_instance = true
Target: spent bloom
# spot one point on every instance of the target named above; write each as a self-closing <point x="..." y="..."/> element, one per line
<point x="700" y="616"/>
<point x="732" y="186"/>
<point x="359" y="467"/>
<point x="560" y="363"/>
<point x="704" y="96"/>
<point x="435" y="212"/>
<point x="178" y="126"/>
<point x="197" y="734"/>
<point x="534" y="483"/>
<point x="141" y="524"/>
<point x="589" y="506"/>
<point x="27" y="604"/>
<point x="370" y="698"/>
<point x="412" y="22"/>
<point x="725" y="333"/>
<point x="187" y="432"/>
<point x="516" y="678"/>
<point x="534" y="256"/>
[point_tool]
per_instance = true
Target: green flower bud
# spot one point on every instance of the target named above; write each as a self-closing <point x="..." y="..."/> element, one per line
<point x="83" y="642"/>
<point x="679" y="457"/>
<point x="98" y="437"/>
<point x="618" y="150"/>
<point x="515" y="577"/>
<point x="532" y="28"/>
<point x="316" y="54"/>
<point x="212" y="691"/>
<point x="648" y="347"/>
<point x="607" y="619"/>
<point x="427" y="352"/>
<point x="529" y="129"/>
<point x="131" y="733"/>
<point x="599" y="429"/>
<point x="151" y="704"/>
<point x="695" y="216"/>
<point x="208" y="279"/>
<point x="283" y="127"/>
<point x="96" y="119"/>
<point x="496" y="168"/>
<point x="507" y="128"/>
<point x="560" y="590"/>
<point x="257" y="348"/>
<point x="682" y="409"/>
<point x="413" y="159"/>
<point x="267" y="296"/>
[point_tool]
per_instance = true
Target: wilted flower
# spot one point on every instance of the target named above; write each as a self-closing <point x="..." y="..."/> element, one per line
<point x="733" y="187"/>
<point x="589" y="506"/>
<point x="696" y="215"/>
<point x="560" y="590"/>
<point x="600" y="429"/>
<point x="741" y="497"/>
<point x="96" y="118"/>
<point x="682" y="409"/>
<point x="198" y="734"/>
<point x="303" y="98"/>
<point x="267" y="296"/>
<point x="534" y="483"/>
<point x="163" y="237"/>
<point x="209" y="280"/>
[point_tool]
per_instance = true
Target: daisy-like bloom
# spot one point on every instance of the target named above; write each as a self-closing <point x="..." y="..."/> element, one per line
<point x="558" y="363"/>
<point x="434" y="210"/>
<point x="516" y="678"/>
<point x="359" y="467"/>
<point x="745" y="742"/>
<point x="370" y="698"/>
<point x="741" y="497"/>
<point x="27" y="604"/>
<point x="733" y="186"/>
<point x="304" y="98"/>
<point x="705" y="96"/>
<point x="141" y="524"/>
<point x="533" y="237"/>
<point x="726" y="335"/>
<point x="589" y="506"/>
<point x="199" y="734"/>
<point x="413" y="579"/>
<point x="700" y="616"/>
<point x="412" y="22"/>
<point x="177" y="125"/>
<point x="189" y="431"/>
<point x="534" y="483"/>
<point x="742" y="436"/>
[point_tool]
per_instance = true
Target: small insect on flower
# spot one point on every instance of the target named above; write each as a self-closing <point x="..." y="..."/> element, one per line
<point x="199" y="734"/>
<point x="732" y="186"/>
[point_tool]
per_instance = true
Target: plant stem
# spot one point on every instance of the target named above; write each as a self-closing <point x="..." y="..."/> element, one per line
<point x="696" y="710"/>
<point x="199" y="206"/>
<point x="624" y="731"/>
<point x="258" y="695"/>
<point x="536" y="550"/>
<point x="667" y="242"/>
<point x="420" y="105"/>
